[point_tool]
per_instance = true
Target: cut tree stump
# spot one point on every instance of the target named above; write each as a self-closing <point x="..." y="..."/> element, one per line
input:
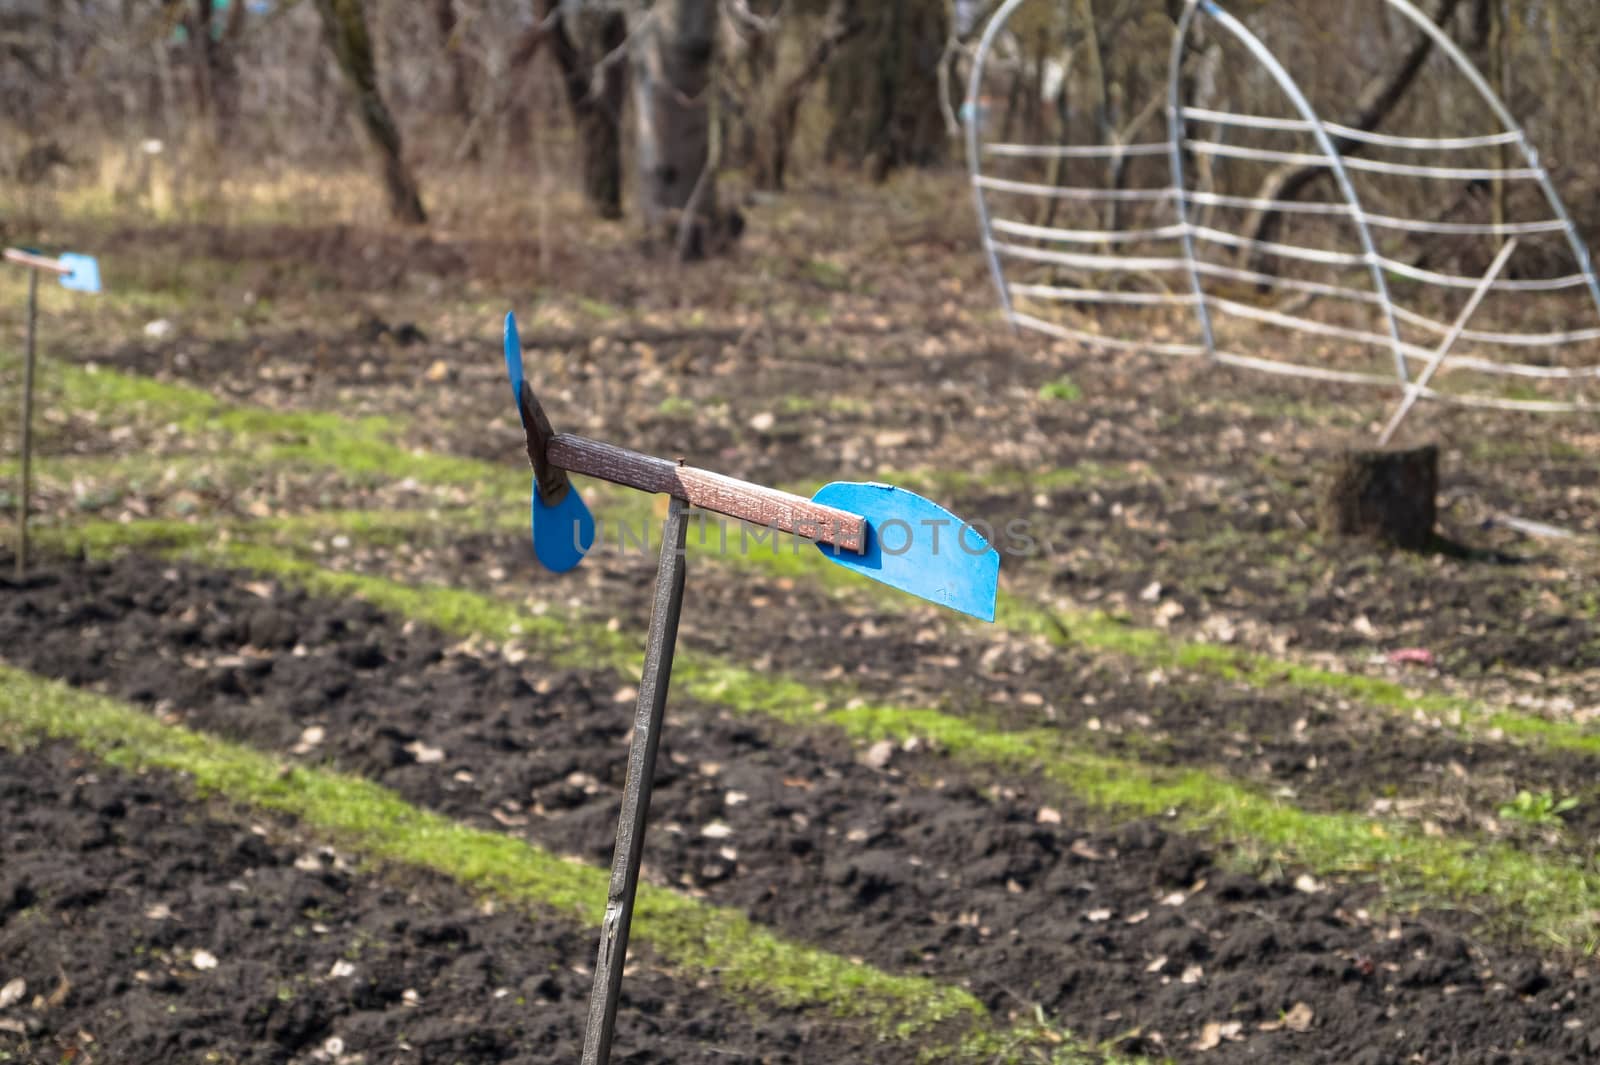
<point x="1383" y="495"/>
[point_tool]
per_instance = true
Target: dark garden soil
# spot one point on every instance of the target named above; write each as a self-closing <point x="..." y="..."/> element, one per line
<point x="1140" y="932"/>
<point x="1315" y="746"/>
<point x="139" y="927"/>
<point x="798" y="360"/>
<point x="1219" y="514"/>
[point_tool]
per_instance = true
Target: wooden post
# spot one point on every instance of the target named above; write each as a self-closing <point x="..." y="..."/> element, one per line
<point x="1384" y="495"/>
<point x="628" y="855"/>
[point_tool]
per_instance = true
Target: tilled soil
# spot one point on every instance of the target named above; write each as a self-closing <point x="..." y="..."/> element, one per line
<point x="1139" y="934"/>
<point x="146" y="927"/>
<point x="777" y="380"/>
<point x="1221" y="522"/>
<point x="1315" y="746"/>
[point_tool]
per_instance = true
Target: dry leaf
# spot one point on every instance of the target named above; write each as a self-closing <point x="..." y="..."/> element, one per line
<point x="1213" y="1033"/>
<point x="12" y="993"/>
<point x="877" y="756"/>
<point x="424" y="754"/>
<point x="1082" y="849"/>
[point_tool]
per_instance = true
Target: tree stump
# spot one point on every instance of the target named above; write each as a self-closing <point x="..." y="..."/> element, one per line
<point x="1384" y="495"/>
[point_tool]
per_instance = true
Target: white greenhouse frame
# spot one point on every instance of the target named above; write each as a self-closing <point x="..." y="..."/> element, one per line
<point x="1179" y="114"/>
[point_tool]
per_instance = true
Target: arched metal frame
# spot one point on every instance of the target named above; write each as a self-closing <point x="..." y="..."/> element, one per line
<point x="1465" y="66"/>
<point x="1351" y="209"/>
<point x="1175" y="130"/>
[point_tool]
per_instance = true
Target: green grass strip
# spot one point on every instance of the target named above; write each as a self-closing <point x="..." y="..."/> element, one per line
<point x="502" y="492"/>
<point x="372" y="820"/>
<point x="1548" y="896"/>
<point x="358" y="447"/>
<point x="362" y="449"/>
<point x="1099" y="632"/>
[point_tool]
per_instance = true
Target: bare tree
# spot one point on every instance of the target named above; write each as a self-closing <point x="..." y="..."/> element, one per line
<point x="771" y="102"/>
<point x="884" y="88"/>
<point x="444" y="17"/>
<point x="587" y="45"/>
<point x="214" y="69"/>
<point x="674" y="47"/>
<point x="1377" y="101"/>
<point x="344" y="25"/>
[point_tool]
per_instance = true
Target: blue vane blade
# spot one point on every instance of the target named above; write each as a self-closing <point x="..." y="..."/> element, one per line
<point x="917" y="546"/>
<point x="562" y="534"/>
<point x="85" y="276"/>
<point x="513" y="346"/>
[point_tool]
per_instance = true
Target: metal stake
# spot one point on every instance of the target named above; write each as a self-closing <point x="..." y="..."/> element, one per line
<point x="1414" y="388"/>
<point x="27" y="425"/>
<point x="627" y="857"/>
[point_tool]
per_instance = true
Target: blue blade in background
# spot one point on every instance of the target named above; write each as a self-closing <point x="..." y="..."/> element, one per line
<point x="917" y="546"/>
<point x="85" y="276"/>
<point x="562" y="534"/>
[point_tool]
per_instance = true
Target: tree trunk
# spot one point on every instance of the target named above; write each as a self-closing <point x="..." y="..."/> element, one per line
<point x="674" y="48"/>
<point x="444" y="17"/>
<point x="1104" y="121"/>
<point x="884" y="88"/>
<point x="344" y="24"/>
<point x="580" y="42"/>
<point x="213" y="67"/>
<point x="1383" y="495"/>
<point x="774" y="131"/>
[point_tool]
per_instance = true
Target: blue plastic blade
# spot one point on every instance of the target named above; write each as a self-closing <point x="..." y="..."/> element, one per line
<point x="85" y="275"/>
<point x="562" y="534"/>
<point x="917" y="546"/>
<point x="513" y="347"/>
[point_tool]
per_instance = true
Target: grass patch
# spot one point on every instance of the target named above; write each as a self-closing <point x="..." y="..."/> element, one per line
<point x="360" y="448"/>
<point x="506" y="489"/>
<point x="689" y="934"/>
<point x="1063" y="389"/>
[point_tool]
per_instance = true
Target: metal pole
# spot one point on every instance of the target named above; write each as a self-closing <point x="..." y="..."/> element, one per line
<point x="1414" y="389"/>
<point x="626" y="859"/>
<point x="991" y="33"/>
<point x="27" y="423"/>
<point x="1358" y="215"/>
